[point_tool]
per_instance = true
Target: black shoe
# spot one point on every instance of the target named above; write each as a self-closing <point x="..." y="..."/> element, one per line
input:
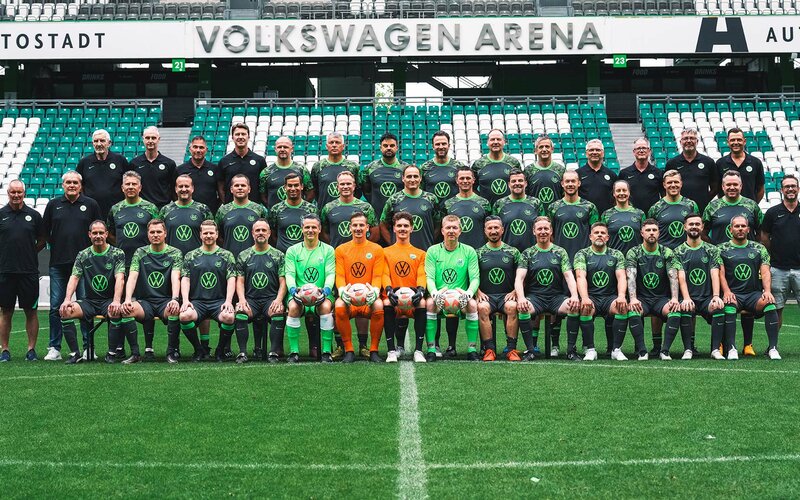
<point x="149" y="356"/>
<point x="430" y="357"/>
<point x="241" y="358"/>
<point x="450" y="352"/>
<point x="121" y="355"/>
<point x="374" y="357"/>
<point x="172" y="358"/>
<point x="528" y="355"/>
<point x="110" y="359"/>
<point x="199" y="356"/>
<point x="326" y="358"/>
<point x="229" y="355"/>
<point x="654" y="352"/>
<point x="74" y="359"/>
<point x="349" y="357"/>
<point x="135" y="358"/>
<point x="573" y="355"/>
<point x="473" y="356"/>
<point x="313" y="353"/>
<point x="293" y="358"/>
<point x="258" y="354"/>
<point x="273" y="358"/>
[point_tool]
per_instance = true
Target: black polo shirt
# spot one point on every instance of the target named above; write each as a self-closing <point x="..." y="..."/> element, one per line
<point x="783" y="227"/>
<point x="597" y="186"/>
<point x="646" y="186"/>
<point x="158" y="178"/>
<point x="698" y="176"/>
<point x="66" y="226"/>
<point x="19" y="230"/>
<point x="204" y="179"/>
<point x="250" y="165"/>
<point x="751" y="170"/>
<point x="102" y="179"/>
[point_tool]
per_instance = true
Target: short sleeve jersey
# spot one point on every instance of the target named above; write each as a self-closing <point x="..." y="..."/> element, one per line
<point x="261" y="272"/>
<point x="498" y="267"/>
<point x="204" y="180"/>
<point x="601" y="270"/>
<point x="359" y="263"/>
<point x="155" y="271"/>
<point x="783" y="227"/>
<point x="697" y="263"/>
<point x="697" y="176"/>
<point x="316" y="266"/>
<point x="440" y="179"/>
<point x="545" y="271"/>
<point x="624" y="227"/>
<point x="208" y="273"/>
<point x="102" y="179"/>
<point x="236" y="222"/>
<point x="183" y="224"/>
<point x="452" y="269"/>
<point x="743" y="265"/>
<point x="286" y="222"/>
<point x="492" y="176"/>
<point x="271" y="181"/>
<point x="128" y="222"/>
<point x="98" y="271"/>
<point x="324" y="181"/>
<point x="335" y="217"/>
<point x="379" y="181"/>
<point x="572" y="222"/>
<point x="545" y="183"/>
<point x="652" y="279"/>
<point x="670" y="216"/>
<point x="19" y="230"/>
<point x="250" y="165"/>
<point x="517" y="216"/>
<point x="158" y="178"/>
<point x="424" y="211"/>
<point x="472" y="212"/>
<point x="719" y="212"/>
<point x="404" y="265"/>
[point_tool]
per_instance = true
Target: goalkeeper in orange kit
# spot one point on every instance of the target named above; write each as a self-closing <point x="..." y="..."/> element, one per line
<point x="359" y="261"/>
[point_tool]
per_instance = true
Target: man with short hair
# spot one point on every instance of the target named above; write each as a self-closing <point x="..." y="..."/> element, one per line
<point x="102" y="171"/>
<point x="597" y="180"/>
<point x="469" y="207"/>
<point x="65" y="221"/>
<point x="261" y="289"/>
<point x="157" y="293"/>
<point x="203" y="173"/>
<point x="452" y="265"/>
<point x="516" y="211"/>
<point x="157" y="171"/>
<point x="572" y="216"/>
<point x="286" y="217"/>
<point x="271" y="179"/>
<point x="698" y="171"/>
<point x="643" y="177"/>
<point x="439" y="173"/>
<point x="241" y="161"/>
<point x="101" y="268"/>
<point x="336" y="214"/>
<point x="183" y="216"/>
<point x="235" y="219"/>
<point x="671" y="211"/>
<point x="420" y="204"/>
<point x="21" y="239"/>
<point x="325" y="172"/>
<point x="383" y="177"/>
<point x="544" y="175"/>
<point x="746" y="286"/>
<point x="750" y="168"/>
<point x="718" y="214"/>
<point x="127" y="220"/>
<point x="492" y="169"/>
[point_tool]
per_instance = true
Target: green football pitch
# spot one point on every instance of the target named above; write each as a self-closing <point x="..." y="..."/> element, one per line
<point x="697" y="428"/>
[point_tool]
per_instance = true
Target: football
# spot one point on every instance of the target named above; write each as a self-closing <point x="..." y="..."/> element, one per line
<point x="357" y="293"/>
<point x="449" y="302"/>
<point x="309" y="294"/>
<point x="404" y="298"/>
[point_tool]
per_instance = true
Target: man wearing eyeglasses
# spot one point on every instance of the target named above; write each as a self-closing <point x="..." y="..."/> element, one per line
<point x="698" y="172"/>
<point x="643" y="177"/>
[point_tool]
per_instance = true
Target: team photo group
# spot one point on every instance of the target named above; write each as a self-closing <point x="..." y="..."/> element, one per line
<point x="495" y="249"/>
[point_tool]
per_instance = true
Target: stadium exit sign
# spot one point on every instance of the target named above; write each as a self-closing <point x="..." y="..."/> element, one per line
<point x="179" y="65"/>
<point x="620" y="61"/>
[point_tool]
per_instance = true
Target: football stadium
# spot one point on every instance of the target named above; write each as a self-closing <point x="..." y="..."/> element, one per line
<point x="399" y="248"/>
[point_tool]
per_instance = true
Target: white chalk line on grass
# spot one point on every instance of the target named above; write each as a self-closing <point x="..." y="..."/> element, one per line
<point x="196" y="465"/>
<point x="412" y="478"/>
<point x="636" y="365"/>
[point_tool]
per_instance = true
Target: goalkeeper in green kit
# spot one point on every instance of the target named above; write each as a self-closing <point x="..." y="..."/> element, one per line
<point x="451" y="265"/>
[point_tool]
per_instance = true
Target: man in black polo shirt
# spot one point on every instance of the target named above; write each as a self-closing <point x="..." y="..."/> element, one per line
<point x="66" y="223"/>
<point x="780" y="233"/>
<point x="157" y="171"/>
<point x="102" y="173"/>
<point x="597" y="180"/>
<point x="643" y="177"/>
<point x="749" y="167"/>
<point x="698" y="171"/>
<point x="242" y="160"/>
<point x="204" y="174"/>
<point x="21" y="238"/>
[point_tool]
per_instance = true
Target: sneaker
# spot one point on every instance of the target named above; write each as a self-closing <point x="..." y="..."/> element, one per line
<point x="473" y="356"/>
<point x="149" y="356"/>
<point x="655" y="352"/>
<point x="241" y="358"/>
<point x="94" y="358"/>
<point x="135" y="358"/>
<point x="554" y="351"/>
<point x="293" y="358"/>
<point x="337" y="353"/>
<point x="419" y="357"/>
<point x="774" y="354"/>
<point x="644" y="356"/>
<point x="273" y="358"/>
<point x="172" y="358"/>
<point x="449" y="353"/>
<point x="258" y="354"/>
<point x="31" y="355"/>
<point x="374" y="357"/>
<point x="591" y="354"/>
<point x="364" y="352"/>
<point x="664" y="356"/>
<point x="617" y="355"/>
<point x="110" y="359"/>
<point x="53" y="354"/>
<point x="326" y="358"/>
<point x="574" y="356"/>
<point x="438" y="352"/>
<point x="400" y="352"/>
<point x="748" y="350"/>
<point x="489" y="355"/>
<point x="430" y="356"/>
<point x="313" y="353"/>
<point x="513" y="355"/>
<point x="391" y="357"/>
<point x="733" y="354"/>
<point x="529" y="355"/>
<point x="349" y="357"/>
<point x="5" y="357"/>
<point x="200" y="355"/>
<point x="687" y="354"/>
<point x="717" y="354"/>
<point x="74" y="358"/>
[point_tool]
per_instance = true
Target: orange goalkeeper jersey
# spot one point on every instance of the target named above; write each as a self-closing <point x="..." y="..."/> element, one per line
<point x="359" y="263"/>
<point x="405" y="266"/>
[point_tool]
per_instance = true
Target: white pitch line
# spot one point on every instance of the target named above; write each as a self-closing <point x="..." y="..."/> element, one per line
<point x="412" y="478"/>
<point x="637" y="365"/>
<point x="196" y="465"/>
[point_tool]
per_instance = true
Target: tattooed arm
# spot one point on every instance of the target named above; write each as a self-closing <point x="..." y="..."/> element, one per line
<point x="634" y="304"/>
<point x="674" y="287"/>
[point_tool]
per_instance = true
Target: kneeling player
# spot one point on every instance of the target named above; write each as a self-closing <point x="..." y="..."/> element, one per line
<point x="157" y="292"/>
<point x="600" y="275"/>
<point x="359" y="261"/>
<point x="261" y="289"/>
<point x="208" y="281"/>
<point x="101" y="267"/>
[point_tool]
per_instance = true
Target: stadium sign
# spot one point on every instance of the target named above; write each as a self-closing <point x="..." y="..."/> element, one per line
<point x="416" y="38"/>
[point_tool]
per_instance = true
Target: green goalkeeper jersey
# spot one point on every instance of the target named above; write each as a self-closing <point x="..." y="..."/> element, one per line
<point x="304" y="265"/>
<point x="452" y="268"/>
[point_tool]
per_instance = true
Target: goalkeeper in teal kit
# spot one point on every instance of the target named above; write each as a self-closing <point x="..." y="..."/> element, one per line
<point x="451" y="265"/>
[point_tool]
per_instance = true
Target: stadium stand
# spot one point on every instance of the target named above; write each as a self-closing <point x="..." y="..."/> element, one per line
<point x="87" y="10"/>
<point x="569" y="120"/>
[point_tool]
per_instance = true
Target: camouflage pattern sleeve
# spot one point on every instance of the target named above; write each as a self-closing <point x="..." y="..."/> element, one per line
<point x="566" y="265"/>
<point x="709" y="211"/>
<point x="516" y="254"/>
<point x="632" y="257"/>
<point x="695" y="208"/>
<point x="487" y="207"/>
<point x="281" y="260"/>
<point x="673" y="262"/>
<point x="151" y="208"/>
<point x="372" y="220"/>
<point x="205" y="211"/>
<point x="523" y="258"/>
<point x="137" y="257"/>
<point x="186" y="266"/>
<point x="762" y="251"/>
<point x="177" y="257"/>
<point x="119" y="260"/>
<point x="620" y="259"/>
<point x="607" y="215"/>
<point x="262" y="211"/>
<point x="110" y="225"/>
<point x="165" y="210"/>
<point x="306" y="176"/>
<point x="221" y="215"/>
<point x="388" y="208"/>
<point x="593" y="215"/>
<point x="314" y="174"/>
<point x="365" y="183"/>
<point x="230" y="264"/>
<point x="263" y="177"/>
<point x="77" y="268"/>
<point x="651" y="214"/>
<point x="758" y="215"/>
<point x="714" y="259"/>
<point x="580" y="260"/>
<point x="241" y="262"/>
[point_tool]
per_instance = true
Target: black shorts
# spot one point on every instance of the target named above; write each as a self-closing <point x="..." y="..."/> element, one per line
<point x="207" y="309"/>
<point x="92" y="308"/>
<point x="154" y="308"/>
<point x="701" y="308"/>
<point x="260" y="307"/>
<point x="602" y="305"/>
<point x="24" y="287"/>
<point x="747" y="302"/>
<point x="543" y="305"/>
<point x="653" y="307"/>
<point x="497" y="303"/>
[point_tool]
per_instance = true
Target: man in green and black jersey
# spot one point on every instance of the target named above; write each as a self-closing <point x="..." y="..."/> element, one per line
<point x="544" y="175"/>
<point x="420" y="204"/>
<point x="517" y="211"/>
<point x="272" y="179"/>
<point x="261" y="289"/>
<point x="183" y="216"/>
<point x="470" y="208"/>
<point x="127" y="220"/>
<point x="325" y="172"/>
<point x="336" y="214"/>
<point x="235" y="219"/>
<point x="383" y="177"/>
<point x="492" y="169"/>
<point x="572" y="216"/>
<point x="719" y="212"/>
<point x="671" y="211"/>
<point x="439" y="174"/>
<point x="285" y="217"/>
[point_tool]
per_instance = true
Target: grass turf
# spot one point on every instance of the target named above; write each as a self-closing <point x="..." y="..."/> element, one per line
<point x="695" y="428"/>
